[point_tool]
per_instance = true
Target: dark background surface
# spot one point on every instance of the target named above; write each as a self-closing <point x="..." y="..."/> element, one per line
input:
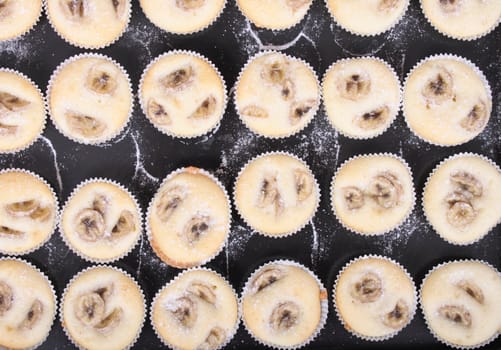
<point x="142" y="156"/>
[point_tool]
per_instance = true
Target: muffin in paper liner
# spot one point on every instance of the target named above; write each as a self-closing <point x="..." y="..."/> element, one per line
<point x="55" y="216"/>
<point x="228" y="337"/>
<point x="384" y="5"/>
<point x="393" y="114"/>
<point x="27" y="27"/>
<point x="103" y="293"/>
<point x="123" y="5"/>
<point x="161" y="109"/>
<point x="42" y="100"/>
<point x="488" y="162"/>
<point x="162" y="17"/>
<point x="464" y="24"/>
<point x="119" y="128"/>
<point x="190" y="171"/>
<point x="472" y="295"/>
<point x="486" y="108"/>
<point x="351" y="329"/>
<point x="323" y="299"/>
<point x="101" y="200"/>
<point x="289" y="22"/>
<point x="38" y="272"/>
<point x="389" y="228"/>
<point x="298" y="108"/>
<point x="307" y="181"/>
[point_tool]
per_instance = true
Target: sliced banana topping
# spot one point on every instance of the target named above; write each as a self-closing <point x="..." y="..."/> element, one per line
<point x="6" y="297"/>
<point x="368" y="289"/>
<point x="373" y="119"/>
<point x="158" y="114"/>
<point x="189" y="4"/>
<point x="203" y="291"/>
<point x="84" y="125"/>
<point x="255" y="112"/>
<point x="89" y="225"/>
<point x="6" y="129"/>
<point x="355" y="86"/>
<point x="461" y="214"/>
<point x="106" y="291"/>
<point x="89" y="309"/>
<point x="11" y="103"/>
<point x="110" y="322"/>
<point x="10" y="232"/>
<point x="120" y="7"/>
<point x="449" y="6"/>
<point x="458" y="196"/>
<point x="285" y="316"/>
<point x="100" y="204"/>
<point x="74" y="9"/>
<point x="276" y="72"/>
<point x="297" y="4"/>
<point x="270" y="195"/>
<point x="304" y="184"/>
<point x="386" y="190"/>
<point x="472" y="290"/>
<point x="299" y="110"/>
<point x="42" y="214"/>
<point x="33" y="316"/>
<point x="288" y="90"/>
<point x="196" y="227"/>
<point x="397" y="317"/>
<point x="457" y="314"/>
<point x="206" y="109"/>
<point x="476" y="119"/>
<point x="266" y="278"/>
<point x="215" y="338"/>
<point x="24" y="208"/>
<point x="387" y="5"/>
<point x="185" y="311"/>
<point x="179" y="79"/>
<point x="354" y="197"/>
<point x="102" y="78"/>
<point x="467" y="183"/>
<point x="169" y="201"/>
<point x="5" y="8"/>
<point x="124" y="225"/>
<point x="439" y="88"/>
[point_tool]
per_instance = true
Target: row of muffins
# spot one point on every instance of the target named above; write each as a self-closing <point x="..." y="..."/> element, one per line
<point x="276" y="194"/>
<point x="282" y="305"/>
<point x="446" y="99"/>
<point x="78" y="21"/>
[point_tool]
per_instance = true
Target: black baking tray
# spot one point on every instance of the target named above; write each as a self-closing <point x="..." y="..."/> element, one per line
<point x="142" y="156"/>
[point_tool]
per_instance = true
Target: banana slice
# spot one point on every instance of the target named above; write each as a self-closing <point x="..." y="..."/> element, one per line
<point x="297" y="4"/>
<point x="178" y="80"/>
<point x="456" y="314"/>
<point x="90" y="309"/>
<point x="41" y="214"/>
<point x="354" y="86"/>
<point x="6" y="297"/>
<point x="276" y="72"/>
<point x="255" y="112"/>
<point x="373" y="119"/>
<point x="461" y="214"/>
<point x="467" y="183"/>
<point x="10" y="232"/>
<point x="288" y="90"/>
<point x="124" y="225"/>
<point x="270" y="195"/>
<point x="195" y="228"/>
<point x="387" y="5"/>
<point x="6" y="129"/>
<point x="102" y="78"/>
<point x="285" y="316"/>
<point x="368" y="289"/>
<point x="299" y="110"/>
<point x="476" y="119"/>
<point x="9" y="102"/>
<point x="84" y="125"/>
<point x="397" y="317"/>
<point x="185" y="312"/>
<point x="188" y="5"/>
<point x="353" y="197"/>
<point x="386" y="190"/>
<point x="89" y="225"/>
<point x="472" y="290"/>
<point x="439" y="88"/>
<point x="214" y="339"/>
<point x="110" y="322"/>
<point x="5" y="8"/>
<point x="24" y="208"/>
<point x="169" y="201"/>
<point x="158" y="114"/>
<point x="206" y="109"/>
<point x="33" y="315"/>
<point x="203" y="291"/>
<point x="74" y="9"/>
<point x="304" y="184"/>
<point x="120" y="7"/>
<point x="449" y="6"/>
<point x="266" y="278"/>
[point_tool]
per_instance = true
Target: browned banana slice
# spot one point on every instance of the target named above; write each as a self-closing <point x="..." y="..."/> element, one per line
<point x="6" y="129"/>
<point x="388" y="5"/>
<point x="120" y="7"/>
<point x="266" y="278"/>
<point x="368" y="289"/>
<point x="185" y="312"/>
<point x="386" y="190"/>
<point x="6" y="297"/>
<point x="270" y="195"/>
<point x="288" y="90"/>
<point x="196" y="227"/>
<point x="255" y="111"/>
<point x="33" y="315"/>
<point x="472" y="290"/>
<point x="304" y="184"/>
<point x="354" y="86"/>
<point x="457" y="314"/>
<point x="397" y="317"/>
<point x="214" y="339"/>
<point x="189" y="4"/>
<point x="124" y="225"/>
<point x="74" y="9"/>
<point x="461" y="214"/>
<point x="158" y="114"/>
<point x="449" y="6"/>
<point x="84" y="125"/>
<point x="439" y="88"/>
<point x="11" y="103"/>
<point x="5" y="8"/>
<point x="169" y="201"/>
<point x="476" y="119"/>
<point x="110" y="322"/>
<point x="299" y="110"/>
<point x="353" y="197"/>
<point x="276" y="72"/>
<point x="203" y="291"/>
<point x="373" y="119"/>
<point x="89" y="225"/>
<point x="206" y="109"/>
<point x="89" y="309"/>
<point x="102" y="78"/>
<point x="10" y="232"/>
<point x="24" y="208"/>
<point x="467" y="182"/>
<point x="178" y="79"/>
<point x="285" y="316"/>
